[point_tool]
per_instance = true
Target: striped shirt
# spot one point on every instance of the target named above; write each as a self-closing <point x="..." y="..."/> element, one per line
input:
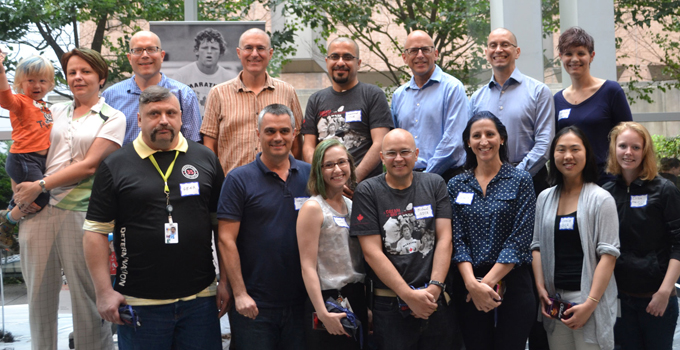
<point x="231" y="117"/>
<point x="124" y="96"/>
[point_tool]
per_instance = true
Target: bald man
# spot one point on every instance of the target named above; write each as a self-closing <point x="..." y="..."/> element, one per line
<point x="145" y="57"/>
<point x="432" y="106"/>
<point x="397" y="216"/>
<point x="230" y="119"/>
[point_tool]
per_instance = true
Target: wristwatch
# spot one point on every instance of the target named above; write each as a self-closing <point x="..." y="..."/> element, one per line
<point x="42" y="185"/>
<point x="438" y="284"/>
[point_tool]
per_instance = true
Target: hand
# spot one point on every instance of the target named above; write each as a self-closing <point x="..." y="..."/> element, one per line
<point x="223" y="299"/>
<point x="26" y="193"/>
<point x="332" y="322"/>
<point x="545" y="300"/>
<point x="347" y="192"/>
<point x="580" y="314"/>
<point x="483" y="296"/>
<point x="108" y="304"/>
<point x="246" y="306"/>
<point x="436" y="291"/>
<point x="658" y="305"/>
<point x="421" y="302"/>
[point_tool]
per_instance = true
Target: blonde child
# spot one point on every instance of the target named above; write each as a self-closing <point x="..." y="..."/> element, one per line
<point x="31" y="125"/>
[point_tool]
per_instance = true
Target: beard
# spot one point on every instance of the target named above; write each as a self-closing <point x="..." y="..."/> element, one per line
<point x="156" y="130"/>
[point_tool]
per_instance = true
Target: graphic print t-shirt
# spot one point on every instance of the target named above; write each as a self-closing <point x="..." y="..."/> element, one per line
<point x="405" y="221"/>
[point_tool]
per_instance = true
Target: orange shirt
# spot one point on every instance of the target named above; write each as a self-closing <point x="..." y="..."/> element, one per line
<point x="31" y="122"/>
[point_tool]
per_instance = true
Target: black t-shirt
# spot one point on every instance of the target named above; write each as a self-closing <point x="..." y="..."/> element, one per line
<point x="129" y="190"/>
<point x="568" y="253"/>
<point x="405" y="220"/>
<point x="349" y="117"/>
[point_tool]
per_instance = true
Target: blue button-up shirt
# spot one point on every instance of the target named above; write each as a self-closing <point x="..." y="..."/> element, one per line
<point x="124" y="96"/>
<point x="526" y="108"/>
<point x="436" y="115"/>
<point x="496" y="227"/>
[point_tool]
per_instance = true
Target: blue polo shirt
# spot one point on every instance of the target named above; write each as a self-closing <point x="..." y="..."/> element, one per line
<point x="267" y="208"/>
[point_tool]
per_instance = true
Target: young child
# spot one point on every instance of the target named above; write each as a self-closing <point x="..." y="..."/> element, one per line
<point x="31" y="125"/>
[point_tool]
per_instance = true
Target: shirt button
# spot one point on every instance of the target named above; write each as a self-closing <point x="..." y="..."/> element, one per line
<point x="502" y="92"/>
<point x="501" y="108"/>
<point x="416" y="137"/>
<point x="416" y="120"/>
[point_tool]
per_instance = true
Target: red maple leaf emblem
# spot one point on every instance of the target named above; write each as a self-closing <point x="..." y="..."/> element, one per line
<point x="360" y="217"/>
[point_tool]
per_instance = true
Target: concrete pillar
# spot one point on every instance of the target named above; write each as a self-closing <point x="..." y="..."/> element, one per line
<point x="596" y="18"/>
<point x="524" y="19"/>
<point x="191" y="10"/>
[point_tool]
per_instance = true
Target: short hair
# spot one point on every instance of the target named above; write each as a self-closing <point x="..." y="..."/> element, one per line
<point x="316" y="184"/>
<point x="258" y="31"/>
<point x="154" y="93"/>
<point x="344" y="39"/>
<point x="471" y="158"/>
<point x="275" y="109"/>
<point x="34" y="66"/>
<point x="210" y="34"/>
<point x="92" y="57"/>
<point x="648" y="164"/>
<point x="575" y="37"/>
<point x="669" y="163"/>
<point x="590" y="171"/>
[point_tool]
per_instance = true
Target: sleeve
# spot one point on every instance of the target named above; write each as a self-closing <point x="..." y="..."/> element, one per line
<point x="309" y="124"/>
<point x="364" y="212"/>
<point x="619" y="107"/>
<point x="232" y="201"/>
<point x="461" y="249"/>
<point x="103" y="207"/>
<point x="516" y="247"/>
<point x="449" y="151"/>
<point x="217" y="182"/>
<point x="538" y="223"/>
<point x="191" y="115"/>
<point x="607" y="227"/>
<point x="544" y="130"/>
<point x="379" y="114"/>
<point x="114" y="128"/>
<point x="10" y="102"/>
<point x="396" y="96"/>
<point x="297" y="110"/>
<point x="443" y="202"/>
<point x="212" y="117"/>
<point x="671" y="215"/>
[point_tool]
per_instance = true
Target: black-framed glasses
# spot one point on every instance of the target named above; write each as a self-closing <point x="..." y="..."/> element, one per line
<point x="137" y="51"/>
<point x="504" y="45"/>
<point x="336" y="57"/>
<point x="249" y="49"/>
<point x="404" y="153"/>
<point x="331" y="165"/>
<point x="414" y="50"/>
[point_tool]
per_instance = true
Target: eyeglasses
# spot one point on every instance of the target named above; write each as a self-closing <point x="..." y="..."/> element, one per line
<point x="249" y="49"/>
<point x="404" y="153"/>
<point x="504" y="45"/>
<point x="331" y="165"/>
<point x="414" y="50"/>
<point x="336" y="57"/>
<point x="137" y="51"/>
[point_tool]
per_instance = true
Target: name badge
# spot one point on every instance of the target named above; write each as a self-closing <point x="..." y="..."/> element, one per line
<point x="423" y="211"/>
<point x="465" y="198"/>
<point x="299" y="201"/>
<point x="564" y="114"/>
<point x="567" y="223"/>
<point x="171" y="233"/>
<point x="340" y="221"/>
<point x="189" y="189"/>
<point x="638" y="201"/>
<point x="352" y="116"/>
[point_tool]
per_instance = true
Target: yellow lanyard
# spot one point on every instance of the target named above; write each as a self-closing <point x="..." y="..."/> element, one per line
<point x="167" y="173"/>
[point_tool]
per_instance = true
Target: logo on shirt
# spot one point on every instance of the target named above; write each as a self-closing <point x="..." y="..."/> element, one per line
<point x="360" y="217"/>
<point x="189" y="171"/>
<point x="406" y="230"/>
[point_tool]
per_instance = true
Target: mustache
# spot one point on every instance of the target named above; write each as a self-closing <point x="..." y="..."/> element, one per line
<point x="161" y="128"/>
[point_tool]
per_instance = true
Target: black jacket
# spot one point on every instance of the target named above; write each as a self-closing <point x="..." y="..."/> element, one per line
<point x="649" y="230"/>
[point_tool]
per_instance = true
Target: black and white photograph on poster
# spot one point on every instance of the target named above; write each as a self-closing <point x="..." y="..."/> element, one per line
<point x="201" y="54"/>
<point x="404" y="234"/>
<point x="333" y="125"/>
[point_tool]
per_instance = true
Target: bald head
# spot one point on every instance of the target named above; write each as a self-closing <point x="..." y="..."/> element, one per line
<point x="255" y="32"/>
<point x="399" y="154"/>
<point x="344" y="39"/>
<point x="145" y="35"/>
<point x="505" y="32"/>
<point x="419" y="36"/>
<point x="398" y="138"/>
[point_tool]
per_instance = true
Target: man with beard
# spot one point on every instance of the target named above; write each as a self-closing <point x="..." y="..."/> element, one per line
<point x="361" y="109"/>
<point x="159" y="183"/>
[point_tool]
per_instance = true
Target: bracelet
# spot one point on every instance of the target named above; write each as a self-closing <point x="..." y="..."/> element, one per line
<point x="593" y="299"/>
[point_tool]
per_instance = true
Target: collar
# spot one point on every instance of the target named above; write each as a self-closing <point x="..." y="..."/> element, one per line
<point x="94" y="109"/>
<point x="435" y="77"/>
<point x="241" y="87"/>
<point x="516" y="76"/>
<point x="622" y="182"/>
<point x="144" y="151"/>
<point x="133" y="88"/>
<point x="505" y="172"/>
<point x="265" y="170"/>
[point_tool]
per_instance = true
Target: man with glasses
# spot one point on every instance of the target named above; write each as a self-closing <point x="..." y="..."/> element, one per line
<point x="523" y="104"/>
<point x="432" y="106"/>
<point x="355" y="113"/>
<point x="397" y="216"/>
<point x="230" y="118"/>
<point x="145" y="57"/>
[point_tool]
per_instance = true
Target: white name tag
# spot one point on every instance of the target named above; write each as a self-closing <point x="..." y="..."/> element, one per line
<point x="352" y="116"/>
<point x="465" y="198"/>
<point x="564" y="114"/>
<point x="423" y="211"/>
<point x="299" y="201"/>
<point x="638" y="201"/>
<point x="567" y="223"/>
<point x="189" y="189"/>
<point x="340" y="221"/>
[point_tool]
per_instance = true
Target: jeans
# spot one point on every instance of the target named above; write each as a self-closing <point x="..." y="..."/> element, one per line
<point x="637" y="329"/>
<point x="22" y="167"/>
<point x="273" y="329"/>
<point x="393" y="331"/>
<point x="182" y="325"/>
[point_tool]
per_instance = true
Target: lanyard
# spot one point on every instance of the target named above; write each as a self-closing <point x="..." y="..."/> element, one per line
<point x="165" y="177"/>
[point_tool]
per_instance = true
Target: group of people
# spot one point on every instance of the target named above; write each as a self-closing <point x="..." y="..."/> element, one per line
<point x="416" y="222"/>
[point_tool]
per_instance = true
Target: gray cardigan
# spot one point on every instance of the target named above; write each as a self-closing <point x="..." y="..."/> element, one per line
<point x="598" y="226"/>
